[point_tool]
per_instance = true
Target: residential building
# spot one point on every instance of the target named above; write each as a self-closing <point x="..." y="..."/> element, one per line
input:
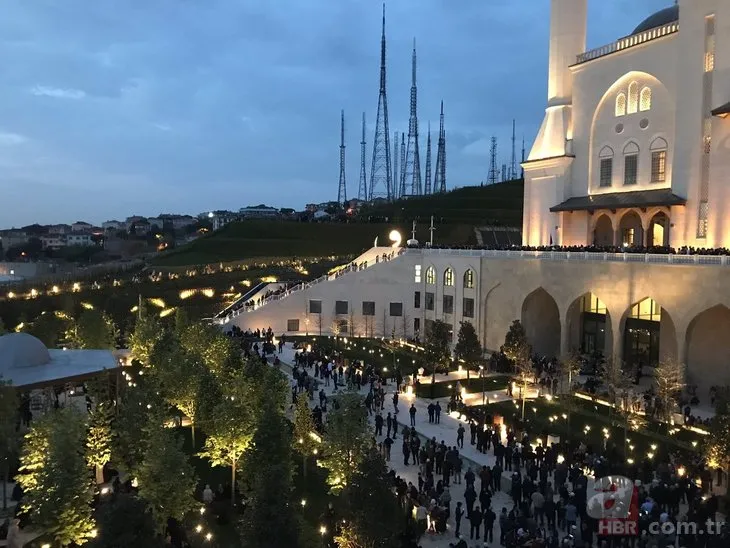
<point x="53" y="241"/>
<point x="81" y="226"/>
<point x="259" y="211"/>
<point x="110" y="226"/>
<point x="59" y="229"/>
<point x="13" y="237"/>
<point x="79" y="239"/>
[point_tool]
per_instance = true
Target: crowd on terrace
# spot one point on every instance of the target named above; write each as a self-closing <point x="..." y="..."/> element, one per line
<point x="653" y="250"/>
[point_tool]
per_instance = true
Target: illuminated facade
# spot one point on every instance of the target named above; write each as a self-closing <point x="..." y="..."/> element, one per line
<point x="634" y="147"/>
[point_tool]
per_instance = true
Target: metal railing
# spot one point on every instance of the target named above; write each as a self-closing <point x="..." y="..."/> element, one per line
<point x="629" y="42"/>
<point x="652" y="258"/>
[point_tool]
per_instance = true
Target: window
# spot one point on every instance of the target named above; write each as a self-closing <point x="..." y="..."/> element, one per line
<point x="417" y="299"/>
<point x="341" y="327"/>
<point x="429" y="300"/>
<point x="417" y="276"/>
<point x="645" y="101"/>
<point x="449" y="277"/>
<point x="468" y="307"/>
<point x="341" y="307"/>
<point x="633" y="98"/>
<point x="627" y="237"/>
<point x="658" y="166"/>
<point x="606" y="167"/>
<point x="647" y="309"/>
<point x="396" y="309"/>
<point x="431" y="276"/>
<point x="292" y="325"/>
<point x="448" y="304"/>
<point x="631" y="163"/>
<point x="368" y="308"/>
<point x="315" y="307"/>
<point x="593" y="304"/>
<point x="416" y="325"/>
<point x="621" y="104"/>
<point x="469" y="279"/>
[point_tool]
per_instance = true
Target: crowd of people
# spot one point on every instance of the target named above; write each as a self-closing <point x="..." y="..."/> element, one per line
<point x="653" y="250"/>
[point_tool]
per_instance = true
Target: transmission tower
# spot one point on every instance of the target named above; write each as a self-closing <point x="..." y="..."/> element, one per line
<point x="427" y="185"/>
<point x="492" y="178"/>
<point x="342" y="190"/>
<point x="439" y="182"/>
<point x="413" y="161"/>
<point x="402" y="183"/>
<point x="513" y="164"/>
<point x="504" y="172"/>
<point x="522" y="173"/>
<point x="396" y="186"/>
<point x="362" y="190"/>
<point x="381" y="183"/>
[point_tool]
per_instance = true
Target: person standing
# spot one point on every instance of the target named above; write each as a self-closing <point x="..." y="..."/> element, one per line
<point x="395" y="402"/>
<point x="437" y="410"/>
<point x="489" y="517"/>
<point x="378" y="424"/>
<point x="388" y="423"/>
<point x="475" y="518"/>
<point x="387" y="444"/>
<point x="458" y="514"/>
<point x="460" y="436"/>
<point x="412" y="412"/>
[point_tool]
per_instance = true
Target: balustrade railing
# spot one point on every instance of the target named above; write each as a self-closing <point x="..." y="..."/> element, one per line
<point x="629" y="42"/>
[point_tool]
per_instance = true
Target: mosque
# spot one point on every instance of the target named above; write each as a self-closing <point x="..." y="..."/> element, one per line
<point x="634" y="151"/>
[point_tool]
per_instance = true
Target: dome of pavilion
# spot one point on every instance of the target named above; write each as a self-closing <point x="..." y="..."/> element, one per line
<point x="22" y="350"/>
<point x="658" y="19"/>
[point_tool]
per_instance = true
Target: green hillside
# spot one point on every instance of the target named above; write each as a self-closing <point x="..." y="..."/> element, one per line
<point x="456" y="213"/>
<point x="498" y="205"/>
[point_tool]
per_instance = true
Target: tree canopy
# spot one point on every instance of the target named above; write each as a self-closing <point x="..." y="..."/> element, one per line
<point x="467" y="346"/>
<point x="347" y="439"/>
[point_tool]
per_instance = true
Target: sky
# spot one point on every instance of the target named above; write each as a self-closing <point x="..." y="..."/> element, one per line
<point x="118" y="107"/>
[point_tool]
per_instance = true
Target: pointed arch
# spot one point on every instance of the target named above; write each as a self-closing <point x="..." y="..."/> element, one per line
<point x="649" y="335"/>
<point x="431" y="276"/>
<point x="707" y="349"/>
<point x="621" y="104"/>
<point x="633" y="102"/>
<point x="449" y="277"/>
<point x="541" y="320"/>
<point x="645" y="99"/>
<point x="588" y="325"/>
<point x="469" y="276"/>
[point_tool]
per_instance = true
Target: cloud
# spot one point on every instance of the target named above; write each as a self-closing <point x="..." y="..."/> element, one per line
<point x="162" y="127"/>
<point x="58" y="93"/>
<point x="11" y="139"/>
<point x="479" y="148"/>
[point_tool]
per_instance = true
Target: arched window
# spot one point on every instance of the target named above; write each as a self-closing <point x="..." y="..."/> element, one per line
<point x="430" y="276"/>
<point x="469" y="279"/>
<point x="645" y="103"/>
<point x="621" y="104"/>
<point x="606" y="166"/>
<point x="631" y="163"/>
<point x="647" y="309"/>
<point x="449" y="277"/>
<point x="633" y="98"/>
<point x="658" y="160"/>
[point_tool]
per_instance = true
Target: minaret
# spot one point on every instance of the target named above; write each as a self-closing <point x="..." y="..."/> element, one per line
<point x="381" y="183"/>
<point x="427" y="185"/>
<point x="412" y="172"/>
<point x="362" y="189"/>
<point x="342" y="190"/>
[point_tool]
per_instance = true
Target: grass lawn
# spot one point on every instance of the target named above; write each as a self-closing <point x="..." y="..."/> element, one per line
<point x="444" y="388"/>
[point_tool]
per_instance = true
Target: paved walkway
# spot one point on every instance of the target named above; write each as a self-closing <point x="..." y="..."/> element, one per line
<point x="446" y="431"/>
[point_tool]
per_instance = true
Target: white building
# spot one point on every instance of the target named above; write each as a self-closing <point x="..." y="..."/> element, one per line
<point x="259" y="211"/>
<point x="109" y="226"/>
<point x="79" y="240"/>
<point x="53" y="241"/>
<point x="81" y="226"/>
<point x="632" y="150"/>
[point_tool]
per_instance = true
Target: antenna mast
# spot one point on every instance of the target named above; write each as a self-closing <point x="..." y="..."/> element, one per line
<point x="381" y="183"/>
<point x="492" y="178"/>
<point x="402" y="183"/>
<point x="413" y="161"/>
<point x="513" y="165"/>
<point x="341" y="189"/>
<point x="427" y="187"/>
<point x="439" y="183"/>
<point x="362" y="189"/>
<point x="396" y="184"/>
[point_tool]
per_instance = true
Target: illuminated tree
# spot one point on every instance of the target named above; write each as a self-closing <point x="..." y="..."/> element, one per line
<point x="93" y="330"/>
<point x="467" y="346"/>
<point x="147" y="333"/>
<point x="515" y="341"/>
<point x="372" y="515"/>
<point x="124" y="522"/>
<point x="166" y="479"/>
<point x="215" y="349"/>
<point x="524" y="369"/>
<point x="55" y="477"/>
<point x="99" y="439"/>
<point x="8" y="433"/>
<point x="436" y="348"/>
<point x="669" y="377"/>
<point x="48" y="328"/>
<point x="346" y="440"/>
<point x="717" y="445"/>
<point x="182" y="321"/>
<point x="269" y="517"/>
<point x="615" y="379"/>
<point x="568" y="368"/>
<point x="304" y="432"/>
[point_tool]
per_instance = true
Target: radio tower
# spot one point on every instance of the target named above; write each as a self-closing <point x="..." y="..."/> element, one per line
<point x="362" y="189"/>
<point x="402" y="183"/>
<point x="341" y="190"/>
<point x="381" y="184"/>
<point x="439" y="182"/>
<point x="522" y="173"/>
<point x="493" y="162"/>
<point x="427" y="185"/>
<point x="396" y="186"/>
<point x="413" y="160"/>
<point x="513" y="165"/>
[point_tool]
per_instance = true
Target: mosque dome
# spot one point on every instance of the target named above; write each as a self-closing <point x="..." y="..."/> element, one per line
<point x="22" y="350"/>
<point x="658" y="19"/>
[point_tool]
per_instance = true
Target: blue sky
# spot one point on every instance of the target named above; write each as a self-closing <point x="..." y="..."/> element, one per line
<point x="109" y="108"/>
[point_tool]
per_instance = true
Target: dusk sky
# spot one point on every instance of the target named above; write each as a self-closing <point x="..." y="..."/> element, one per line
<point x="113" y="108"/>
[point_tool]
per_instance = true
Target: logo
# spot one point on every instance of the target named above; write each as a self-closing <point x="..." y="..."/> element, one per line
<point x="615" y="504"/>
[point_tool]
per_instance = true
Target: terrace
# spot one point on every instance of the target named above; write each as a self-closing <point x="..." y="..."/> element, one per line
<point x="629" y="42"/>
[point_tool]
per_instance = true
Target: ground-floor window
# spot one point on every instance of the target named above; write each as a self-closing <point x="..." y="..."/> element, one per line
<point x="468" y="307"/>
<point x="368" y="308"/>
<point x="593" y="339"/>
<point x="429" y="300"/>
<point x="641" y="343"/>
<point x="396" y="309"/>
<point x="292" y="325"/>
<point x="448" y="304"/>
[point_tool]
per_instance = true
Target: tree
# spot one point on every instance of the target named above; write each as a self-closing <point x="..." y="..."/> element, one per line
<point x="346" y="440"/>
<point x="125" y="522"/>
<point x="669" y="377"/>
<point x="99" y="439"/>
<point x="304" y="428"/>
<point x="269" y="518"/>
<point x="93" y="330"/>
<point x="717" y="445"/>
<point x="48" y="328"/>
<point x="166" y="479"/>
<point x="467" y="346"/>
<point x="8" y="433"/>
<point x="215" y="349"/>
<point x="182" y="321"/>
<point x="437" y="348"/>
<point x="147" y="333"/>
<point x="569" y="367"/>
<point x="524" y="369"/>
<point x="55" y="478"/>
<point x="515" y="341"/>
<point x="229" y="426"/>
<point x="615" y="379"/>
<point x="372" y="514"/>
